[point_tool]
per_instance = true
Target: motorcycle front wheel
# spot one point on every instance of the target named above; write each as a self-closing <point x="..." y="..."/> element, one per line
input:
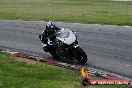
<point x="81" y="55"/>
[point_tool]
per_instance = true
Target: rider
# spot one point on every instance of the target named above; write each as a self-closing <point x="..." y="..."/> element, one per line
<point x="48" y="33"/>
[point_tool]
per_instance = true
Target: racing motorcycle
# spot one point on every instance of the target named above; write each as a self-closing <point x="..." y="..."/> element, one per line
<point x="66" y="46"/>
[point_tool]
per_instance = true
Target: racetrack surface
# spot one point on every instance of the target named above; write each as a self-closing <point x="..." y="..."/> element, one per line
<point x="108" y="47"/>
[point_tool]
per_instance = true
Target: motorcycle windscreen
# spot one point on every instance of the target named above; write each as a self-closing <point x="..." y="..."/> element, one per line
<point x="66" y="36"/>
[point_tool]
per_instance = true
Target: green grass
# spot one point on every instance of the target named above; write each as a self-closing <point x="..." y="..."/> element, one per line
<point x="83" y="11"/>
<point x="14" y="74"/>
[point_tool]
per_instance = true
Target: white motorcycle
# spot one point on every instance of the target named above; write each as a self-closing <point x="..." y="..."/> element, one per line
<point x="66" y="46"/>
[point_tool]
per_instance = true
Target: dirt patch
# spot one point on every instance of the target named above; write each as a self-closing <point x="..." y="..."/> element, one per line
<point x="25" y="60"/>
<point x="31" y="60"/>
<point x="1" y="49"/>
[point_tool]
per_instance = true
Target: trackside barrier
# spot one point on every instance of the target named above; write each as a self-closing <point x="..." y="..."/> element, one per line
<point x="85" y="81"/>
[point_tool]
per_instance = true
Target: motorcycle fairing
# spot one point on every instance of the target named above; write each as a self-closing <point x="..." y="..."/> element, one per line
<point x="66" y="36"/>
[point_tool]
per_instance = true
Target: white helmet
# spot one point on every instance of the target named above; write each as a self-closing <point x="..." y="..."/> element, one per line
<point x="50" y="25"/>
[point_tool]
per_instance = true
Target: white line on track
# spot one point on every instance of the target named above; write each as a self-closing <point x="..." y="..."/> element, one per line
<point x="128" y="65"/>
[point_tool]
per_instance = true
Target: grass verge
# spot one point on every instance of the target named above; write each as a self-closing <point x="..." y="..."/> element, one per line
<point x="83" y="11"/>
<point x="14" y="74"/>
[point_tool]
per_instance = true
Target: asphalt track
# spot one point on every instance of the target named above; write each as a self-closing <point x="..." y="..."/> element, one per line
<point x="108" y="47"/>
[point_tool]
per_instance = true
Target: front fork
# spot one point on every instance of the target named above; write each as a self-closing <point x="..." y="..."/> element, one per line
<point x="74" y="50"/>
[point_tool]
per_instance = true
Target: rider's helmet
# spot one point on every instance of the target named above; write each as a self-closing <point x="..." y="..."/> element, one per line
<point x="50" y="27"/>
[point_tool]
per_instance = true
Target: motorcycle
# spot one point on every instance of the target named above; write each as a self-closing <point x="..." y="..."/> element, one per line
<point x="66" y="46"/>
